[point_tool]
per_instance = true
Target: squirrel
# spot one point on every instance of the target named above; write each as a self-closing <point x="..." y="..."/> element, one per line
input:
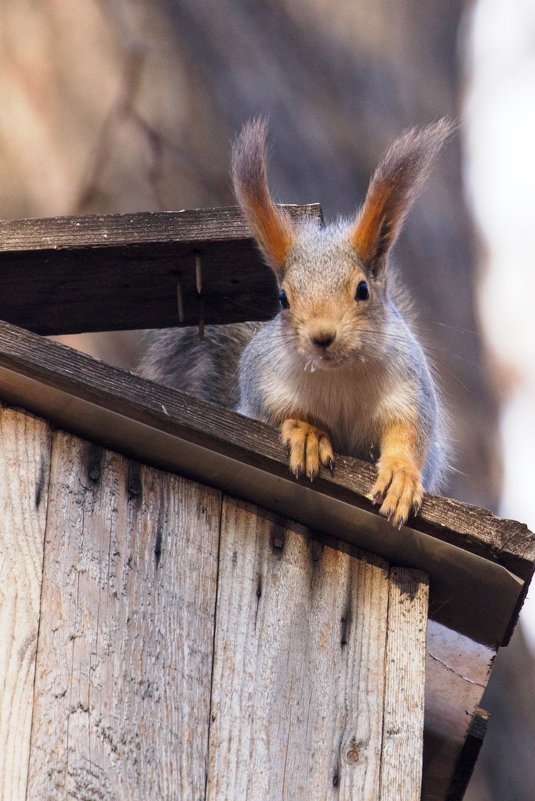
<point x="338" y="368"/>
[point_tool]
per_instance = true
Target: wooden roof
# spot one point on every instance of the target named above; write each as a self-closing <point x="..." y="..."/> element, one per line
<point x="479" y="565"/>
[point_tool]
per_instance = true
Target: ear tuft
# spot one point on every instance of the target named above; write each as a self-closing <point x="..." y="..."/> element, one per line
<point x="393" y="188"/>
<point x="270" y="226"/>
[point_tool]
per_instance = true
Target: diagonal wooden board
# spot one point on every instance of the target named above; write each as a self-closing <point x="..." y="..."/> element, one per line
<point x="479" y="565"/>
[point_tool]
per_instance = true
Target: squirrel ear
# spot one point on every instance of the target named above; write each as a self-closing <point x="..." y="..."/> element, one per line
<point x="394" y="186"/>
<point x="271" y="226"/>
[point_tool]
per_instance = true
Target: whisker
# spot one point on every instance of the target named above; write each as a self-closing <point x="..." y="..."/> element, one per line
<point x="455" y="328"/>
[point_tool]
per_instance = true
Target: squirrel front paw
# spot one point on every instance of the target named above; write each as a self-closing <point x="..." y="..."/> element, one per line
<point x="398" y="489"/>
<point x="309" y="447"/>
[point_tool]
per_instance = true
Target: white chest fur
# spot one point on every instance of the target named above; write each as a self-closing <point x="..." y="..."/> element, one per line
<point x="344" y="400"/>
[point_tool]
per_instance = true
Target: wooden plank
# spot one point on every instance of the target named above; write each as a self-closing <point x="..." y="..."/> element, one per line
<point x="102" y="273"/>
<point x="125" y="645"/>
<point x="457" y="673"/>
<point x="402" y="749"/>
<point x="480" y="565"/>
<point x="297" y="694"/>
<point x="24" y="472"/>
<point x="469" y="755"/>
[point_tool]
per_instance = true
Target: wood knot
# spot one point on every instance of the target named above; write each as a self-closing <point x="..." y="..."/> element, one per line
<point x="277" y="540"/>
<point x="353" y="755"/>
<point x="354" y="751"/>
<point x="40" y="485"/>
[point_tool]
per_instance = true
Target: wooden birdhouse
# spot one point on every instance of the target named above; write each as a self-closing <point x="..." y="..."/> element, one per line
<point x="183" y="620"/>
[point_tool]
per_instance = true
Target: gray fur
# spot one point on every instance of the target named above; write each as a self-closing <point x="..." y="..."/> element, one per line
<point x="206" y="368"/>
<point x="249" y="172"/>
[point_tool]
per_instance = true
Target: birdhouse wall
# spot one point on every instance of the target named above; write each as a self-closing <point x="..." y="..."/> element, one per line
<point x="165" y="640"/>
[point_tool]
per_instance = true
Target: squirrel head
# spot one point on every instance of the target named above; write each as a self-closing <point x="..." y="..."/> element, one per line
<point x="332" y="280"/>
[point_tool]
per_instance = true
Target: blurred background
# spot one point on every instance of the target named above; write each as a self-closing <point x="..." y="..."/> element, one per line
<point x="129" y="105"/>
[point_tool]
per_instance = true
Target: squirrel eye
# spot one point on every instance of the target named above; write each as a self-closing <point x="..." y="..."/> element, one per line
<point x="362" y="293"/>
<point x="285" y="303"/>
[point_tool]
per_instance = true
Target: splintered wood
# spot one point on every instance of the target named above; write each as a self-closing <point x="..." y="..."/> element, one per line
<point x="191" y="646"/>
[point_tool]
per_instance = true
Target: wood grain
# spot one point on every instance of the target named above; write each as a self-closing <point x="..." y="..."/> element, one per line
<point x="402" y="749"/>
<point x="102" y="273"/>
<point x="297" y="694"/>
<point x="102" y="614"/>
<point x="244" y="457"/>
<point x="125" y="645"/>
<point x="24" y="472"/>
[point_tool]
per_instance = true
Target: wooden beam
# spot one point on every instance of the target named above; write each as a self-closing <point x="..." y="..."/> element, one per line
<point x="124" y="660"/>
<point x="469" y="755"/>
<point x="66" y="275"/>
<point x="480" y="566"/>
<point x="298" y="682"/>
<point x="24" y="473"/>
<point x="457" y="673"/>
<point x="403" y="725"/>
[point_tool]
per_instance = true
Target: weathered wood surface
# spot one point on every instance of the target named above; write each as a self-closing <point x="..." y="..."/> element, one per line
<point x="464" y="549"/>
<point x="298" y="688"/>
<point x="402" y="747"/>
<point x="114" y="570"/>
<point x="125" y="647"/>
<point x="24" y="473"/>
<point x="101" y="273"/>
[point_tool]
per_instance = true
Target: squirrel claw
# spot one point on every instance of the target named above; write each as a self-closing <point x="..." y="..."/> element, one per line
<point x="377" y="497"/>
<point x="398" y="522"/>
<point x="309" y="447"/>
<point x="399" y="487"/>
<point x="330" y="465"/>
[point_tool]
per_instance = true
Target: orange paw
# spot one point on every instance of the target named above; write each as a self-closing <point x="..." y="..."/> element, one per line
<point x="398" y="489"/>
<point x="309" y="447"/>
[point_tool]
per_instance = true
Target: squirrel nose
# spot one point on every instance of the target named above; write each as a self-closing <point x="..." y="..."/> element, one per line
<point x="323" y="339"/>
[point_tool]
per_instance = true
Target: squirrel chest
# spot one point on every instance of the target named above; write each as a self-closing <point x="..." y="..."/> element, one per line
<point x="347" y="400"/>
